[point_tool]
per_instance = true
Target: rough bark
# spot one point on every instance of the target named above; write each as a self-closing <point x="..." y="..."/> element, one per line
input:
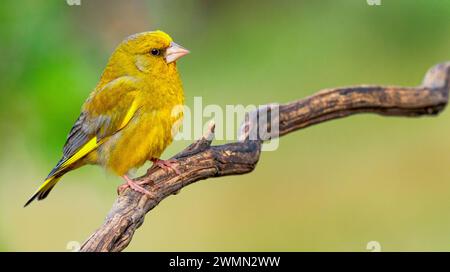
<point x="201" y="160"/>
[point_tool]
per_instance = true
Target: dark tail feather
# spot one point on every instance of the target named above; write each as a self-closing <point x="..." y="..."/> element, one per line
<point x="44" y="189"/>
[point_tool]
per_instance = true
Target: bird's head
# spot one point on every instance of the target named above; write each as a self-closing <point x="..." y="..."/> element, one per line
<point x="153" y="53"/>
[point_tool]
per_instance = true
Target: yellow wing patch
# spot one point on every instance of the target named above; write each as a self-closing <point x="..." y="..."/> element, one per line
<point x="129" y="115"/>
<point x="93" y="143"/>
<point x="86" y="149"/>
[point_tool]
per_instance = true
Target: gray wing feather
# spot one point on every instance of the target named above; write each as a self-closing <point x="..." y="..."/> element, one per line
<point x="83" y="130"/>
<point x="78" y="136"/>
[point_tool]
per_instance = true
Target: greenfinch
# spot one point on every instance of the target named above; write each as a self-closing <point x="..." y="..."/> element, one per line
<point x="128" y="118"/>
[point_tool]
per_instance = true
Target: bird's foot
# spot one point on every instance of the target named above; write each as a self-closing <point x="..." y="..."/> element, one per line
<point x="165" y="164"/>
<point x="129" y="183"/>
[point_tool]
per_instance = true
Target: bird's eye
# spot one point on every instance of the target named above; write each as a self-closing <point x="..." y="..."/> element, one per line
<point x="155" y="52"/>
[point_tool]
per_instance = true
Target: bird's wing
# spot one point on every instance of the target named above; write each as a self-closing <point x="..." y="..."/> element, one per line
<point x="106" y="112"/>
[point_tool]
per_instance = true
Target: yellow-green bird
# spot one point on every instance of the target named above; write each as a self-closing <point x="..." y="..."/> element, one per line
<point x="129" y="117"/>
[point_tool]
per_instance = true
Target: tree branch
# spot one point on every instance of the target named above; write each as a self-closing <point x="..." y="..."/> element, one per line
<point x="201" y="160"/>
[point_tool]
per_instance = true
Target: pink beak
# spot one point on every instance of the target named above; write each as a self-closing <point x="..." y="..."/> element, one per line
<point x="174" y="52"/>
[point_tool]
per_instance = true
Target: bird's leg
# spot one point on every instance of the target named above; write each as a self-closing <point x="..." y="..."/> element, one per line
<point x="129" y="183"/>
<point x="146" y="181"/>
<point x="165" y="164"/>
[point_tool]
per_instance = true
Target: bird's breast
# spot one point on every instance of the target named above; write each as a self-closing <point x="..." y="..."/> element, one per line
<point x="146" y="136"/>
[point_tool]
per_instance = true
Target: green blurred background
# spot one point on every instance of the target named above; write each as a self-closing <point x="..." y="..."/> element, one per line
<point x="331" y="187"/>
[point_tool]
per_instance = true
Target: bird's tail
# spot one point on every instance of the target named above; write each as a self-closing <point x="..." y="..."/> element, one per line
<point x="43" y="191"/>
